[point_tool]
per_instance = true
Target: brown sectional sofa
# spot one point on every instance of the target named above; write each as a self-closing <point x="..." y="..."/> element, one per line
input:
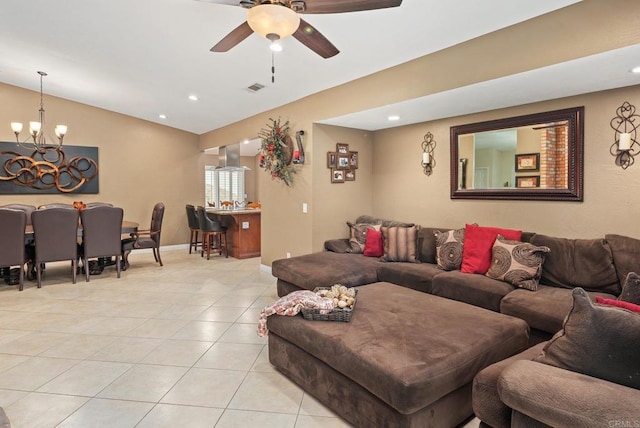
<point x="598" y="265"/>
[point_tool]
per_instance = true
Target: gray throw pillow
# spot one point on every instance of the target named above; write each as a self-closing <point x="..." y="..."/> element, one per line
<point x="599" y="341"/>
<point x="631" y="289"/>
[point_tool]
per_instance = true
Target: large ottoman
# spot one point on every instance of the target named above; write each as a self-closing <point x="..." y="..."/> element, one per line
<point x="406" y="358"/>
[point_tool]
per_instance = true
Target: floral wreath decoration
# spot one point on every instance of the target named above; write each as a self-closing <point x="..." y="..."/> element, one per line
<point x="276" y="151"/>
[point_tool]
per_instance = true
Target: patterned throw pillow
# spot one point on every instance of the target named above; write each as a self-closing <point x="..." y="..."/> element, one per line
<point x="399" y="244"/>
<point x="631" y="289"/>
<point x="449" y="247"/>
<point x="359" y="235"/>
<point x="518" y="263"/>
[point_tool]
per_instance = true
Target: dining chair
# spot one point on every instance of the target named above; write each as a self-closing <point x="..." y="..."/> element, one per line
<point x="212" y="231"/>
<point x="98" y="204"/>
<point x="12" y="249"/>
<point x="56" y="238"/>
<point x="55" y="205"/>
<point x="101" y="235"/>
<point x="145" y="238"/>
<point x="194" y="227"/>
<point x="28" y="209"/>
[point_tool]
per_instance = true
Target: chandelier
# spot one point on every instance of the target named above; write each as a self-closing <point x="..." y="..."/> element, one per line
<point x="37" y="139"/>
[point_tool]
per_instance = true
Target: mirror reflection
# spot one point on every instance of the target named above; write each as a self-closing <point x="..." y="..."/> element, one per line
<point x="525" y="157"/>
<point x="538" y="156"/>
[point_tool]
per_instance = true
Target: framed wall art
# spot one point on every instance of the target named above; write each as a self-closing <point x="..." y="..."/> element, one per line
<point x="342" y="149"/>
<point x="343" y="162"/>
<point x="350" y="175"/>
<point x="332" y="160"/>
<point x="337" y="176"/>
<point x="353" y="160"/>
<point x="528" y="181"/>
<point x="528" y="162"/>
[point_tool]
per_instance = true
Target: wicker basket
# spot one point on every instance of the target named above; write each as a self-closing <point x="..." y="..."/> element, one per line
<point x="337" y="314"/>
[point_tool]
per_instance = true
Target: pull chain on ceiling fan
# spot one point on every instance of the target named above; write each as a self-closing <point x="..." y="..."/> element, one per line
<point x="277" y="19"/>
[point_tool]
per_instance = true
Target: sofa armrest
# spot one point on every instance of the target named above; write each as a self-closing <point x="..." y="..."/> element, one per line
<point x="337" y="245"/>
<point x="559" y="397"/>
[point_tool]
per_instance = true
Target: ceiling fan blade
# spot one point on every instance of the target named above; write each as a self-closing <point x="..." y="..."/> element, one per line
<point x="314" y="40"/>
<point x="233" y="38"/>
<point x="340" y="6"/>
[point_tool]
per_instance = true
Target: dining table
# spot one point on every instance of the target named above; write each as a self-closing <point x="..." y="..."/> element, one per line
<point x="128" y="227"/>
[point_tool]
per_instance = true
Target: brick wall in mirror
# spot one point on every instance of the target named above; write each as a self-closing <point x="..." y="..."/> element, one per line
<point x="533" y="157"/>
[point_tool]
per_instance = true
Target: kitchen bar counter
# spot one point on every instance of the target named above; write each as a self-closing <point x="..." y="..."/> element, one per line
<point x="243" y="230"/>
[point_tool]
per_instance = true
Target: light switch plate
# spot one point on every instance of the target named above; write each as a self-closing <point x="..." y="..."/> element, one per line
<point x="245" y="225"/>
<point x="304" y="207"/>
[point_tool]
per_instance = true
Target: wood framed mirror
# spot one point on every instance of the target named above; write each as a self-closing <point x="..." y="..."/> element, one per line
<point x="533" y="157"/>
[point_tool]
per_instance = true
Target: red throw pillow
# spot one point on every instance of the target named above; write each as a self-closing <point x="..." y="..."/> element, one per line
<point x="373" y="244"/>
<point x="478" y="242"/>
<point x="618" y="303"/>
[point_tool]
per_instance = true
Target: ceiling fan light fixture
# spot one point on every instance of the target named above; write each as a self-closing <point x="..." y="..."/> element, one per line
<point x="277" y="19"/>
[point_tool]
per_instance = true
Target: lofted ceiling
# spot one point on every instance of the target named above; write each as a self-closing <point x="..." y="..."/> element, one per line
<point x="144" y="58"/>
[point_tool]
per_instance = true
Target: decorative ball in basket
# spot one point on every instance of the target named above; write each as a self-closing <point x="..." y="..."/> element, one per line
<point x="344" y="300"/>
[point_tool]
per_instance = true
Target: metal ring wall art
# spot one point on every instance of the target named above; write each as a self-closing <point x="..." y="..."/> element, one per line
<point x="626" y="146"/>
<point x="48" y="169"/>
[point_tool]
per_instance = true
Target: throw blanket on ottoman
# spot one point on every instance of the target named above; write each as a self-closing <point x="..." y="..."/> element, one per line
<point x="291" y="304"/>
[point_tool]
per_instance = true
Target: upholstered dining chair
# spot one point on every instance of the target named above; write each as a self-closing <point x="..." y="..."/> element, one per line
<point x="28" y="209"/>
<point x="194" y="227"/>
<point x="55" y="205"/>
<point x="146" y="238"/>
<point x="98" y="204"/>
<point x="101" y="235"/>
<point x="212" y="231"/>
<point x="56" y="238"/>
<point x="12" y="249"/>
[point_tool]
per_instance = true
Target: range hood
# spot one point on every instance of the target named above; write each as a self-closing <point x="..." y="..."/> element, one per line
<point x="229" y="158"/>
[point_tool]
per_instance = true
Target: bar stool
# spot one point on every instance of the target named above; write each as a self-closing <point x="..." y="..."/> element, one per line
<point x="212" y="230"/>
<point x="194" y="227"/>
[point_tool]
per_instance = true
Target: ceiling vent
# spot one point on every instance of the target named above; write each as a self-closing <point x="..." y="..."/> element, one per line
<point x="255" y="87"/>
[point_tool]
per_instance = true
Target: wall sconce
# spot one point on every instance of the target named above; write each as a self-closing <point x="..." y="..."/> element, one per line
<point x="625" y="146"/>
<point x="428" y="161"/>
<point x="298" y="155"/>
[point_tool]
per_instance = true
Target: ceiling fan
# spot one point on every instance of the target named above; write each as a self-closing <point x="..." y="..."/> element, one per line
<point x="277" y="19"/>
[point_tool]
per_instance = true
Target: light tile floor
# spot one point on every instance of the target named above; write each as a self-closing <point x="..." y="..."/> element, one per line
<point x="159" y="347"/>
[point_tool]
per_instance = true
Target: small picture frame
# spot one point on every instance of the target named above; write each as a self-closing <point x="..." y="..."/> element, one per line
<point x="332" y="160"/>
<point x="343" y="162"/>
<point x="337" y="176"/>
<point x="528" y="181"/>
<point x="350" y="175"/>
<point x="528" y="162"/>
<point x="342" y="149"/>
<point x="353" y="160"/>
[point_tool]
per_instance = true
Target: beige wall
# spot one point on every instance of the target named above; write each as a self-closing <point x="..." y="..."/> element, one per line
<point x="588" y="27"/>
<point x="141" y="163"/>
<point x="611" y="194"/>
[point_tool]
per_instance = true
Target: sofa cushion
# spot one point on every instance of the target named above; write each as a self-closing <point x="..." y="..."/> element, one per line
<point x="518" y="263"/>
<point x="598" y="341"/>
<point x="449" y="246"/>
<point x="373" y="246"/>
<point x="418" y="276"/>
<point x="337" y="245"/>
<point x="631" y="289"/>
<point x="478" y="241"/>
<point x="399" y="244"/>
<point x="358" y="235"/>
<point x="626" y="254"/>
<point x="562" y="398"/>
<point x="543" y="309"/>
<point x="477" y="290"/>
<point x="427" y="243"/>
<point x="487" y="405"/>
<point x="618" y="304"/>
<point x="586" y="263"/>
<point x="325" y="269"/>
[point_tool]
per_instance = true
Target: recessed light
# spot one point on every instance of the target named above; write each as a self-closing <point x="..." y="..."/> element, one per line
<point x="193" y="98"/>
<point x="246" y="141"/>
<point x="162" y="116"/>
<point x="636" y="69"/>
<point x="393" y="118"/>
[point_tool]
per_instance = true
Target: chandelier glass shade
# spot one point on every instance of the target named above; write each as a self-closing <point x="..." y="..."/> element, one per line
<point x="269" y="19"/>
<point x="37" y="139"/>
